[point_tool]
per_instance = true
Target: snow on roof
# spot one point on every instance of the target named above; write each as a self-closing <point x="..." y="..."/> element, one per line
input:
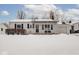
<point x="20" y="20"/>
<point x="29" y="20"/>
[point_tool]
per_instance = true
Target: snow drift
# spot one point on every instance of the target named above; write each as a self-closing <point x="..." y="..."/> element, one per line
<point x="39" y="44"/>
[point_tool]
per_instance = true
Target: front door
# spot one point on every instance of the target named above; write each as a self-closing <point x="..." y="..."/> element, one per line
<point x="37" y="28"/>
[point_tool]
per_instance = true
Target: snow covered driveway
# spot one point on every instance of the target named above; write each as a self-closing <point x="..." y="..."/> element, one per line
<point x="39" y="44"/>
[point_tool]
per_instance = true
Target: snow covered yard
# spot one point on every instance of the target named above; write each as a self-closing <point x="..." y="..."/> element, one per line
<point x="39" y="44"/>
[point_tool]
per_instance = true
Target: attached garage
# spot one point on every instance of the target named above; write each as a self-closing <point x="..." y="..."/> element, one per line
<point x="63" y="28"/>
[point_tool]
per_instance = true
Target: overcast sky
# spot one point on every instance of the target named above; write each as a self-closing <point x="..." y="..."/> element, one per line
<point x="8" y="11"/>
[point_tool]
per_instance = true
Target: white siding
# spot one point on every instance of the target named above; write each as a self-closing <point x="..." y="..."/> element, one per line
<point x="33" y="30"/>
<point x="57" y="28"/>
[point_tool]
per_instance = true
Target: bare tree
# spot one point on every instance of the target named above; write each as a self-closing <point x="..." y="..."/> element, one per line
<point x="21" y="14"/>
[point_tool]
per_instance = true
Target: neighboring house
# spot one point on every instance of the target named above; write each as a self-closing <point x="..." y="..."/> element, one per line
<point x="3" y="27"/>
<point x="75" y="27"/>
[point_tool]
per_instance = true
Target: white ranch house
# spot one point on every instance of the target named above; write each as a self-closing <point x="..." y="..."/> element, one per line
<point x="37" y="26"/>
